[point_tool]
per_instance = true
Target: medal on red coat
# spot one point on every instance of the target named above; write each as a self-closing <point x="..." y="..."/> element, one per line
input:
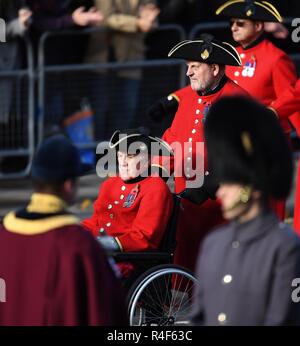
<point x="131" y="197"/>
<point x="249" y="68"/>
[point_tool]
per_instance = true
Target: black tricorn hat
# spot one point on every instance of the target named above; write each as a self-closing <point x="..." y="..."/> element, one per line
<point x="247" y="145"/>
<point x="133" y="141"/>
<point x="249" y="9"/>
<point x="58" y="159"/>
<point x="206" y="49"/>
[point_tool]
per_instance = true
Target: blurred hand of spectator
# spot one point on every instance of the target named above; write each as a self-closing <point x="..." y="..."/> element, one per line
<point x="277" y="29"/>
<point x="147" y="19"/>
<point x="24" y="15"/>
<point x="84" y="18"/>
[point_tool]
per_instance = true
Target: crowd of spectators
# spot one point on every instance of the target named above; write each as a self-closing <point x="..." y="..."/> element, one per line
<point x="129" y="33"/>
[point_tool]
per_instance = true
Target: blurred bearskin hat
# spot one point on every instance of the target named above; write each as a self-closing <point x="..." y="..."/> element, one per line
<point x="247" y="145"/>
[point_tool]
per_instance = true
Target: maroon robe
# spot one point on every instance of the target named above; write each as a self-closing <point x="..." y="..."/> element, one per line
<point x="56" y="277"/>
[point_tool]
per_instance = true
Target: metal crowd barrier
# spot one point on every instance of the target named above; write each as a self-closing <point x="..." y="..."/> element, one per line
<point x="102" y="95"/>
<point x="218" y="29"/>
<point x="17" y="123"/>
<point x="95" y="96"/>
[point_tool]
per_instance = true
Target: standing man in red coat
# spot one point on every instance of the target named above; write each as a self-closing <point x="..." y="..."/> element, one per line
<point x="286" y="104"/>
<point x="55" y="273"/>
<point x="206" y="59"/>
<point x="266" y="70"/>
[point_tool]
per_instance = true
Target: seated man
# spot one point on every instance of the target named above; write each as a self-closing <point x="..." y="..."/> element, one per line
<point x="132" y="210"/>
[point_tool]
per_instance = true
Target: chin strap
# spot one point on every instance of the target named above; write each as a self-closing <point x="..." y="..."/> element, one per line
<point x="244" y="198"/>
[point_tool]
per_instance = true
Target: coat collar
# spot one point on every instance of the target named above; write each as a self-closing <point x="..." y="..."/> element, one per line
<point x="221" y="84"/>
<point x="44" y="213"/>
<point x="260" y="39"/>
<point x="255" y="228"/>
<point x="45" y="203"/>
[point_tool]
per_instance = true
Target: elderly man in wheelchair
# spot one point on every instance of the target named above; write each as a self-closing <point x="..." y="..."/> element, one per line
<point x="134" y="219"/>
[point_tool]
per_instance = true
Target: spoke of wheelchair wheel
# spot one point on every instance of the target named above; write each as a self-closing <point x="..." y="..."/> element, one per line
<point x="184" y="308"/>
<point x="155" y="303"/>
<point x="187" y="305"/>
<point x="183" y="294"/>
<point x="144" y="319"/>
<point x="168" y="293"/>
<point x="174" y="295"/>
<point x="158" y="292"/>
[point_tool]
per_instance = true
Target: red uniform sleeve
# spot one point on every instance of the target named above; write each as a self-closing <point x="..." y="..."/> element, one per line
<point x="289" y="103"/>
<point x="151" y="221"/>
<point x="284" y="74"/>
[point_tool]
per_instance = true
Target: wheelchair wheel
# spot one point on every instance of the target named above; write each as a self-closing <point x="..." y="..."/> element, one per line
<point x="162" y="296"/>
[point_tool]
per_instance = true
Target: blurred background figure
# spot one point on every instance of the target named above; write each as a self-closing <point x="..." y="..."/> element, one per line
<point x="114" y="94"/>
<point x="247" y="267"/>
<point x="12" y="57"/>
<point x="57" y="16"/>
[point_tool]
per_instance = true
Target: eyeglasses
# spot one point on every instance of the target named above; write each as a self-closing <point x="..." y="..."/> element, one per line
<point x="239" y="23"/>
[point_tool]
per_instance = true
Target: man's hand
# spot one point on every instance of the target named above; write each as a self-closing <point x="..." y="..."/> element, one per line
<point x="147" y="17"/>
<point x="167" y="106"/>
<point x="277" y="29"/>
<point x="24" y="15"/>
<point x="109" y="243"/>
<point x="201" y="194"/>
<point x="85" y="18"/>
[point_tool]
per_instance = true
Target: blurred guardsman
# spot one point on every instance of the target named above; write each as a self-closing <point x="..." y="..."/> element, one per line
<point x="206" y="59"/>
<point x="266" y="70"/>
<point x="133" y="208"/>
<point x="55" y="272"/>
<point x="246" y="268"/>
<point x="288" y="103"/>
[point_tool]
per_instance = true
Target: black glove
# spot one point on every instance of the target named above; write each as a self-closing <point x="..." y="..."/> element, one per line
<point x="164" y="107"/>
<point x="201" y="194"/>
<point x="109" y="243"/>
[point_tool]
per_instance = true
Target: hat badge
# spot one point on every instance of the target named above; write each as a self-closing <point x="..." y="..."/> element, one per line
<point x="205" y="54"/>
<point x="246" y="142"/>
<point x="249" y="13"/>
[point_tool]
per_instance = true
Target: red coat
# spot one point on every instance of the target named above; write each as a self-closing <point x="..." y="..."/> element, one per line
<point x="194" y="221"/>
<point x="139" y="226"/>
<point x="288" y="103"/>
<point x="266" y="73"/>
<point x="56" y="274"/>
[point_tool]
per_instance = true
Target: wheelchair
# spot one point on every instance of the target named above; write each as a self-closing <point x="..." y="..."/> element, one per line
<point x="161" y="293"/>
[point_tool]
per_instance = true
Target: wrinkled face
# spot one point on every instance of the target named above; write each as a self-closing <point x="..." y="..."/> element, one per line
<point x="230" y="196"/>
<point x="245" y="31"/>
<point x="132" y="165"/>
<point x="202" y="76"/>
